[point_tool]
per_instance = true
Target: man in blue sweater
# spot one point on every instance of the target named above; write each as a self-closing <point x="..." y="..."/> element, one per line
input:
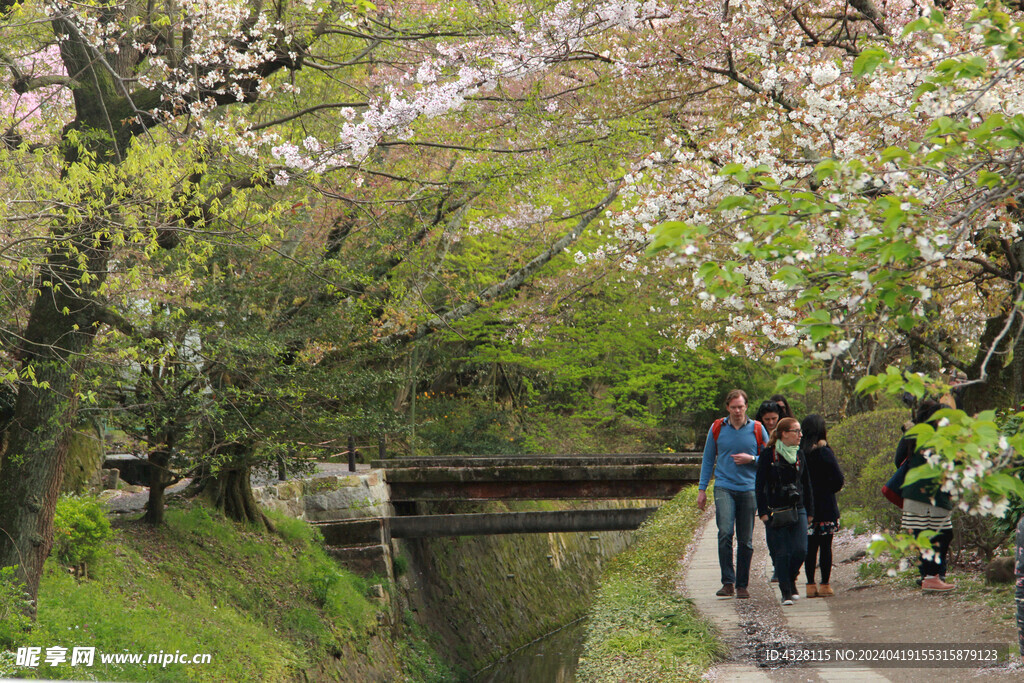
<point x="731" y="454"/>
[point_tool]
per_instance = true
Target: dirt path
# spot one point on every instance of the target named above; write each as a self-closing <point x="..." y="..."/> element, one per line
<point x="860" y="612"/>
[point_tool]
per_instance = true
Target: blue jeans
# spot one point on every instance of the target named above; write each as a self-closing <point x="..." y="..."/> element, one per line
<point x="1019" y="595"/>
<point x="789" y="549"/>
<point x="735" y="510"/>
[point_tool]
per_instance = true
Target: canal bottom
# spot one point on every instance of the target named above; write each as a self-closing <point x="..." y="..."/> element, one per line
<point x="551" y="659"/>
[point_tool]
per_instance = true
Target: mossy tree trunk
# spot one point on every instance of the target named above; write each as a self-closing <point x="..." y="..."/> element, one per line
<point x="230" y="491"/>
<point x="159" y="479"/>
<point x="227" y="487"/>
<point x="58" y="335"/>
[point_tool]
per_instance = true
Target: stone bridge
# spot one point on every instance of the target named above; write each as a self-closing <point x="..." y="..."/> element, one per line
<point x="540" y="477"/>
<point x="360" y="514"/>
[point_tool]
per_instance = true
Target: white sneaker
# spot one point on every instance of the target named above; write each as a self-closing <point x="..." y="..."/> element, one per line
<point x="788" y="601"/>
<point x="796" y="597"/>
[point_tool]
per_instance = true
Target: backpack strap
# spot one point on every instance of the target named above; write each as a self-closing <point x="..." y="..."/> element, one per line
<point x="716" y="429"/>
<point x="757" y="436"/>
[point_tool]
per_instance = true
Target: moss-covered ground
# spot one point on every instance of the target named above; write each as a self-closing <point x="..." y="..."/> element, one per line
<point x="264" y="607"/>
<point x="640" y="628"/>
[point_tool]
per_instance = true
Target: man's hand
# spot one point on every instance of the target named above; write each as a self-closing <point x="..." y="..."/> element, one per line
<point x="742" y="458"/>
<point x="764" y="518"/>
<point x="702" y="500"/>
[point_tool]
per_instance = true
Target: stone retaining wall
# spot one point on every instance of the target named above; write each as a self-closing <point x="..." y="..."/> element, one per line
<point x="352" y="496"/>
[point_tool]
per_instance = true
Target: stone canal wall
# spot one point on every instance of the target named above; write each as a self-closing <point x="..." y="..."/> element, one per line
<point x="481" y="596"/>
<point x="329" y="497"/>
<point x="486" y="596"/>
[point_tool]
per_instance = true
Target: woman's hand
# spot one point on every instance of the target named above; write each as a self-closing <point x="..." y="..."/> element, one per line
<point x="764" y="518"/>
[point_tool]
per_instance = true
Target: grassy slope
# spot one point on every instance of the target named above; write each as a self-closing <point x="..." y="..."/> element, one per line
<point x="640" y="628"/>
<point x="265" y="607"/>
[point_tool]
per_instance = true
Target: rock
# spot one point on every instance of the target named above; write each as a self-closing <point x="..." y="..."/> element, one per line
<point x="856" y="557"/>
<point x="1000" y="570"/>
<point x="109" y="478"/>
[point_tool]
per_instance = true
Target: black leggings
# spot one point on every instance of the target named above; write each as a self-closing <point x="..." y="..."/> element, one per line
<point x="815" y="545"/>
<point x="940" y="543"/>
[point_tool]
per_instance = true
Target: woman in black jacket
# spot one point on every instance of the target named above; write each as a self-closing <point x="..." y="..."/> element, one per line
<point x="782" y="482"/>
<point x="826" y="480"/>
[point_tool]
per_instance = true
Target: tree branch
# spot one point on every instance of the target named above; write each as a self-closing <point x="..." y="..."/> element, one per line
<point x="509" y="284"/>
<point x="941" y="353"/>
<point x="309" y="110"/>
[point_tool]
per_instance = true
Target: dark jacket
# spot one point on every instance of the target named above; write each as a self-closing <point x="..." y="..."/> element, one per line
<point x="773" y="472"/>
<point x="922" y="490"/>
<point x="826" y="480"/>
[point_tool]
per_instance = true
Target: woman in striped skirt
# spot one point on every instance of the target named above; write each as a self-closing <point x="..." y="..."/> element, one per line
<point x="927" y="507"/>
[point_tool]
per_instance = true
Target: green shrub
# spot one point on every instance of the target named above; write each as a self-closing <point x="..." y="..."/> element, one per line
<point x="866" y="492"/>
<point x="865" y="445"/>
<point x="80" y="531"/>
<point x="14" y="606"/>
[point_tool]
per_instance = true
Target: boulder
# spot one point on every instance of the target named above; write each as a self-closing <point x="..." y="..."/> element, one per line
<point x="1000" y="570"/>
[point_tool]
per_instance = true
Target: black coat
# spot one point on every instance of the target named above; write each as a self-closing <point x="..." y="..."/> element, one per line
<point x="774" y="472"/>
<point x="826" y="480"/>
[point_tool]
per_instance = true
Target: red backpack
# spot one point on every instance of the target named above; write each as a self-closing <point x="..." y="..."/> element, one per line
<point x="716" y="429"/>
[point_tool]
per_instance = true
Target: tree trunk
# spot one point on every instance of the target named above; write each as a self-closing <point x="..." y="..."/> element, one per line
<point x="60" y="329"/>
<point x="230" y="492"/>
<point x="1004" y="387"/>
<point x="159" y="479"/>
<point x="39" y="434"/>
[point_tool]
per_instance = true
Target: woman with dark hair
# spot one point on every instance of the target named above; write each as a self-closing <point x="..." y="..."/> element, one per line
<point x="784" y="409"/>
<point x="826" y="480"/>
<point x="927" y="507"/>
<point x="784" y="498"/>
<point x="769" y="414"/>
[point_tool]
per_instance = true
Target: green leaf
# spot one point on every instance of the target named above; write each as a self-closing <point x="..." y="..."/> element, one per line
<point x="868" y="385"/>
<point x="667" y="235"/>
<point x="791" y="383"/>
<point x="925" y="471"/>
<point x="894" y="153"/>
<point x="868" y="60"/>
<point x="917" y="25"/>
<point x="989" y="179"/>
<point x="734" y="202"/>
<point x="1004" y="484"/>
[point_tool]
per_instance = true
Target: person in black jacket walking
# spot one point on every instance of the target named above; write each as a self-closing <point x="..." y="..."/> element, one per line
<point x="826" y="480"/>
<point x="783" y="483"/>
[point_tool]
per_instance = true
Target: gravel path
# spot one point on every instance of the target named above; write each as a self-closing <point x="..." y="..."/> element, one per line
<point x="860" y="612"/>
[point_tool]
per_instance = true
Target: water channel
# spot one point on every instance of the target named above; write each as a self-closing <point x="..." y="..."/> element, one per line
<point x="551" y="659"/>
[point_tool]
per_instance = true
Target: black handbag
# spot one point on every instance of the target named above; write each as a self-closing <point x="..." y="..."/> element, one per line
<point x="780" y="517"/>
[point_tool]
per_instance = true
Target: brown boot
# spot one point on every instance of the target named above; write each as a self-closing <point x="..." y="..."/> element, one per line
<point x="825" y="591"/>
<point x="934" y="584"/>
<point x="812" y="590"/>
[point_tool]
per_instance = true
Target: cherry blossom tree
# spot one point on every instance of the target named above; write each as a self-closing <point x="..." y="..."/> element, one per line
<point x="826" y="213"/>
<point x="857" y="209"/>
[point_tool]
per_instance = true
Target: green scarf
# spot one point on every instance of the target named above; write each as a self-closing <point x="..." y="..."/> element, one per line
<point x="787" y="452"/>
